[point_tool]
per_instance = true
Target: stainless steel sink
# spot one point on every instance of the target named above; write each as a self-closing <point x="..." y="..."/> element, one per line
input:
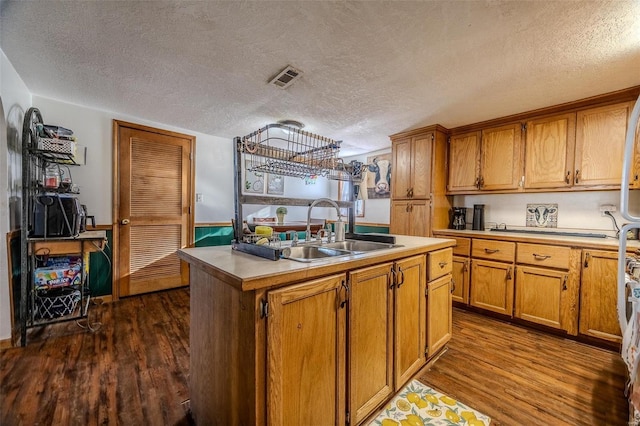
<point x="316" y="251"/>
<point x="359" y="245"/>
<point x="309" y="253"/>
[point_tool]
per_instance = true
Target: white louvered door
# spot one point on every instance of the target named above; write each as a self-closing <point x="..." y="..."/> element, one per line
<point x="153" y="208"/>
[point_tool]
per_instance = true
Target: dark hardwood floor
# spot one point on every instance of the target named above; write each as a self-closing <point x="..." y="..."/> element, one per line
<point x="134" y="371"/>
<point x="520" y="376"/>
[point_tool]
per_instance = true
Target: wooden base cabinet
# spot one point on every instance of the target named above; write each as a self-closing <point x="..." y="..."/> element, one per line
<point x="439" y="306"/>
<point x="331" y="350"/>
<point x="306" y="331"/>
<point x="460" y="279"/>
<point x="387" y="320"/>
<point x="492" y="286"/>
<point x="541" y="296"/>
<point x="370" y="339"/>
<point x="410" y="318"/>
<point x="547" y="285"/>
<point x="598" y="292"/>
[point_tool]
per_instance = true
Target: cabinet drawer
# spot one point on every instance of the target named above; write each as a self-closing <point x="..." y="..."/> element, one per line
<point x="544" y="255"/>
<point x="440" y="263"/>
<point x="463" y="247"/>
<point x="503" y="251"/>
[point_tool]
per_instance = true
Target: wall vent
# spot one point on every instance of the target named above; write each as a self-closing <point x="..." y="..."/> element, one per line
<point x="286" y="77"/>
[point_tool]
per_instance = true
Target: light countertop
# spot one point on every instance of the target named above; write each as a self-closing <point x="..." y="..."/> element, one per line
<point x="248" y="272"/>
<point x="608" y="243"/>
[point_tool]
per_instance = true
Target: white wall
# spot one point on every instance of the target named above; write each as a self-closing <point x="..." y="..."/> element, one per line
<point x="576" y="210"/>
<point x="94" y="129"/>
<point x="16" y="99"/>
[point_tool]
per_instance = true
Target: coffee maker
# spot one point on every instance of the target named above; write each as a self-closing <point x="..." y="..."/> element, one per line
<point x="459" y="218"/>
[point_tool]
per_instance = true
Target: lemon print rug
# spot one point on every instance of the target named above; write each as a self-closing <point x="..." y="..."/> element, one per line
<point x="419" y="405"/>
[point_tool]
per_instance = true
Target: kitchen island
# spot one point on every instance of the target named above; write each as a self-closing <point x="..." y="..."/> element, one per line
<point x="284" y="342"/>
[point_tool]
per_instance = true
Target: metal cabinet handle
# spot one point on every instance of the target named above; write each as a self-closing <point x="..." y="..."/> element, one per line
<point x="477" y="183"/>
<point x="392" y="278"/>
<point x="124" y="222"/>
<point x="567" y="179"/>
<point x="453" y="285"/>
<point x="443" y="264"/>
<point x="509" y="273"/>
<point x="587" y="256"/>
<point x="408" y="192"/>
<point x="346" y="294"/>
<point x="481" y="182"/>
<point x="577" y="176"/>
<point x="564" y="283"/>
<point x="541" y="256"/>
<point x="401" y="277"/>
<point x="491" y="251"/>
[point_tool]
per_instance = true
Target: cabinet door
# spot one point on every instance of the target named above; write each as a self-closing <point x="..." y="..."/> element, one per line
<point x="370" y="340"/>
<point x="410" y="318"/>
<point x="439" y="322"/>
<point x="492" y="286"/>
<point x="541" y="295"/>
<point x="464" y="162"/>
<point x="401" y="168"/>
<point x="600" y="137"/>
<point x="306" y="353"/>
<point x="460" y="279"/>
<point x="420" y="223"/>
<point x="400" y="218"/>
<point x="422" y="148"/>
<point x="501" y="158"/>
<point x="598" y="294"/>
<point x="549" y="147"/>
<point x="410" y="218"/>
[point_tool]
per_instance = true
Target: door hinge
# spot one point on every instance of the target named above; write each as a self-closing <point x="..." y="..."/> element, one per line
<point x="348" y="418"/>
<point x="426" y="291"/>
<point x="264" y="308"/>
<point x="426" y="350"/>
<point x="449" y="140"/>
<point x="524" y="127"/>
<point x="432" y="137"/>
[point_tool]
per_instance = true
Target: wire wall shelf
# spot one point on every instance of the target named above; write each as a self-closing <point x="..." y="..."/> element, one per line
<point x="287" y="151"/>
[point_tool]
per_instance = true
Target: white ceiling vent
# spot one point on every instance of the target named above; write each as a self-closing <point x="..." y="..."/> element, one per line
<point x="286" y="77"/>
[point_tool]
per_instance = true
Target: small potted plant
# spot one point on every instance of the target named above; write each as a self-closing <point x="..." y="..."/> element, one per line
<point x="280" y="212"/>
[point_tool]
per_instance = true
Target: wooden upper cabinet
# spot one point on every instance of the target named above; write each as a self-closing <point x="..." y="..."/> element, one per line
<point x="600" y="138"/>
<point x="501" y="158"/>
<point x="549" y="151"/>
<point x="488" y="160"/>
<point x="401" y="168"/>
<point x="464" y="162"/>
<point x="411" y="170"/>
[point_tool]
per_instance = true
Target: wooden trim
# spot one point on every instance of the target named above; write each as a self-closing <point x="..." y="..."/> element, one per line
<point x="6" y="344"/>
<point x="13" y="340"/>
<point x="419" y="131"/>
<point x="209" y="224"/>
<point x="100" y="228"/>
<point x="624" y="95"/>
<point x="381" y="225"/>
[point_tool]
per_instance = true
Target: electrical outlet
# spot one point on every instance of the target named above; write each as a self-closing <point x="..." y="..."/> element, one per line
<point x="607" y="208"/>
<point x="198" y="197"/>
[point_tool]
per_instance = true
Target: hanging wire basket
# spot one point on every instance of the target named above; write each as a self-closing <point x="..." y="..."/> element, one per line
<point x="287" y="151"/>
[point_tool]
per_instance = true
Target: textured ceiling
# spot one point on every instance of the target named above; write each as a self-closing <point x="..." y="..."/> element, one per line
<point x="371" y="69"/>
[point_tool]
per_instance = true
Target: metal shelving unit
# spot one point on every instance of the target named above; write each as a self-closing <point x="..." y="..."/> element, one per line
<point x="287" y="151"/>
<point x="37" y="154"/>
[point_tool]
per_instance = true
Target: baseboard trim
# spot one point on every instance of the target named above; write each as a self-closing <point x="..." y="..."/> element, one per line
<point x="5" y="344"/>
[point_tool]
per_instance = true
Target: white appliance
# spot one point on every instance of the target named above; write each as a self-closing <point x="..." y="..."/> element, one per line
<point x="629" y="278"/>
